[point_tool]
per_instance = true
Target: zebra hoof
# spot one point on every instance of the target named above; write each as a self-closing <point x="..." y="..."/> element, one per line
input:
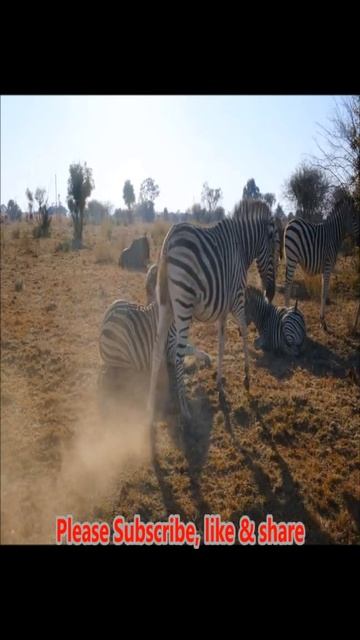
<point x="207" y="361"/>
<point x="323" y="325"/>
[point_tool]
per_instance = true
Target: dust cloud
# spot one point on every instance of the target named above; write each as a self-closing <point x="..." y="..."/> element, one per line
<point x="78" y="475"/>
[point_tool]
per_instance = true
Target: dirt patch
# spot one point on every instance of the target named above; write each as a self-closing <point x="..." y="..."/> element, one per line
<point x="290" y="447"/>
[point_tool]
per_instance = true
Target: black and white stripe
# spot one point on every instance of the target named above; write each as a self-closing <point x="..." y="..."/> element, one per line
<point x="202" y="275"/>
<point x="281" y="329"/>
<point x="315" y="246"/>
<point x="128" y="335"/>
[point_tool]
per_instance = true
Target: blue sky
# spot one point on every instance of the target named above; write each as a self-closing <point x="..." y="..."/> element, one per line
<point x="180" y="141"/>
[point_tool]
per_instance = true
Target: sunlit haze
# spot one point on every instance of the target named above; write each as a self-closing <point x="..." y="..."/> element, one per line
<point x="179" y="141"/>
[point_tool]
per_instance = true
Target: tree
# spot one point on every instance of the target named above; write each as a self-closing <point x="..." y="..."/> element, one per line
<point x="30" y="198"/>
<point x="166" y="215"/>
<point x="42" y="229"/>
<point x="40" y="197"/>
<point x="80" y="186"/>
<point x="96" y="211"/>
<point x="145" y="211"/>
<point x="13" y="210"/>
<point x="149" y="191"/>
<point x="219" y="214"/>
<point x="280" y="214"/>
<point x="210" y="197"/>
<point x="198" y="213"/>
<point x="251" y="190"/>
<point x="128" y="194"/>
<point x="340" y="147"/>
<point x="269" y="198"/>
<point x="308" y="188"/>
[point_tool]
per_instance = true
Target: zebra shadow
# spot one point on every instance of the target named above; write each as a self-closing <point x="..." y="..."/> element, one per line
<point x="317" y="359"/>
<point x="193" y="441"/>
<point x="284" y="502"/>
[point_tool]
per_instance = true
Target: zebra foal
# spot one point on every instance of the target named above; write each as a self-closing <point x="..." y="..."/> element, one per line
<point x="280" y="329"/>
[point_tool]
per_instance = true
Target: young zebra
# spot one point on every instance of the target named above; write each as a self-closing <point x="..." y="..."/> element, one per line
<point x="202" y="275"/>
<point x="128" y="335"/>
<point x="315" y="246"/>
<point x="280" y="329"/>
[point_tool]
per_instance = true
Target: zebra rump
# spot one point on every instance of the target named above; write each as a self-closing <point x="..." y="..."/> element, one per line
<point x="128" y="333"/>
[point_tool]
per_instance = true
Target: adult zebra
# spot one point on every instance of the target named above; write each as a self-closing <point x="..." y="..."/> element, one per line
<point x="315" y="246"/>
<point x="202" y="275"/>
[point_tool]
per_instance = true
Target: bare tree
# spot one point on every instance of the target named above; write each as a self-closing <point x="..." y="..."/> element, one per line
<point x="211" y="197"/>
<point x="40" y="195"/>
<point x="340" y="145"/>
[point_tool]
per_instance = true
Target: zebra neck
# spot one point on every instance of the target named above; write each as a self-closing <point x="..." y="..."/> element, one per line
<point x="259" y="311"/>
<point x="336" y="227"/>
<point x="249" y="250"/>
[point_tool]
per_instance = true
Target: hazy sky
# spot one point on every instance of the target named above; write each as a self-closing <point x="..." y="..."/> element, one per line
<point x="180" y="141"/>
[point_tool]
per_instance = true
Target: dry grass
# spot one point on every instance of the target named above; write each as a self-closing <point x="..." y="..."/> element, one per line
<point x="290" y="447"/>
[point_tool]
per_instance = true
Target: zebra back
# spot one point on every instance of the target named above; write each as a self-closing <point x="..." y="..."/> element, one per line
<point x="128" y="334"/>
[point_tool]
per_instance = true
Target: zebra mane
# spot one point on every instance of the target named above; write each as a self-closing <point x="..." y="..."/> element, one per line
<point x="252" y="210"/>
<point x="253" y="292"/>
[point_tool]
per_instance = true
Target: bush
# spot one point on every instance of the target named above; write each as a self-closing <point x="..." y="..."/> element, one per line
<point x="158" y="232"/>
<point x="42" y="230"/>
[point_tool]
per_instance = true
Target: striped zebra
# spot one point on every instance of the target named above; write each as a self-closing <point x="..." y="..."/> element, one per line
<point x="315" y="246"/>
<point x="280" y="329"/>
<point x="128" y="335"/>
<point x="202" y="275"/>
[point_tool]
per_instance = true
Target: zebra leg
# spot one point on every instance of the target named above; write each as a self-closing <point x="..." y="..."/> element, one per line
<point x="222" y="326"/>
<point x="324" y="294"/>
<point x="158" y="352"/>
<point x="182" y="329"/>
<point x="240" y="318"/>
<point x="200" y="356"/>
<point x="290" y="270"/>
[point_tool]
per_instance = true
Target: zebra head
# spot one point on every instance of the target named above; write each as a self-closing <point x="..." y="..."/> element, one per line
<point x="347" y="207"/>
<point x="293" y="331"/>
<point x="267" y="258"/>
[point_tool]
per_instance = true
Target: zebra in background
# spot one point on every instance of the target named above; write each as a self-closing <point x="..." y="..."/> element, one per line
<point x="128" y="335"/>
<point x="315" y="246"/>
<point x="280" y="329"/>
<point x="202" y="275"/>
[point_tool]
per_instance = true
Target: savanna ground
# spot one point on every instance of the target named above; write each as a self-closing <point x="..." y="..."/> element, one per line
<point x="290" y="447"/>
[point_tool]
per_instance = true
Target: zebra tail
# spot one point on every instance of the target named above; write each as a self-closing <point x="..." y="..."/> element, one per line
<point x="163" y="280"/>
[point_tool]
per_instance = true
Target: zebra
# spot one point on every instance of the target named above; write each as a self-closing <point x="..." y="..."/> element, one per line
<point x="127" y="337"/>
<point x="315" y="246"/>
<point x="280" y="329"/>
<point x="202" y="275"/>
